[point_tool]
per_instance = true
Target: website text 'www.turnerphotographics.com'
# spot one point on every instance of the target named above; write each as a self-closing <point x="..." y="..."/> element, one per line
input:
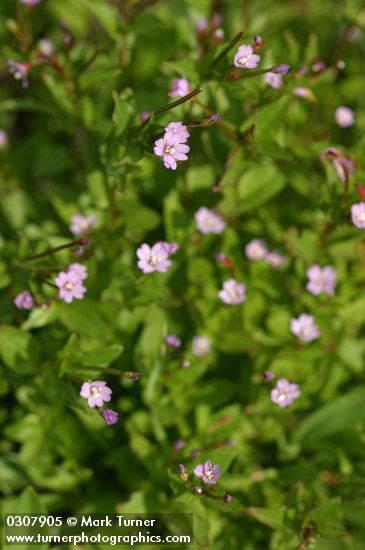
<point x="112" y="529"/>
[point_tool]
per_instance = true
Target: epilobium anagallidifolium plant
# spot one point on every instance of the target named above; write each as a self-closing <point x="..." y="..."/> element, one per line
<point x="182" y="266"/>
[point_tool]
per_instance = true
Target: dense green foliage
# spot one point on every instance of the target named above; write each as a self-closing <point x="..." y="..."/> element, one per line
<point x="76" y="144"/>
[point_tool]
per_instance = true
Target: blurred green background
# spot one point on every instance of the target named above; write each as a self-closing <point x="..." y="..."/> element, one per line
<point x="76" y="145"/>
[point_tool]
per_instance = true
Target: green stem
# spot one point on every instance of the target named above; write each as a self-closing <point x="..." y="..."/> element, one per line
<point x="77" y="242"/>
<point x="225" y="50"/>
<point x="90" y="61"/>
<point x="177" y="102"/>
<point x="108" y="370"/>
<point x="308" y="536"/>
<point x="230" y="133"/>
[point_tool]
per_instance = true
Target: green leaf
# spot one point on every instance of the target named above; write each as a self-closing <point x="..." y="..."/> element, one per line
<point x="102" y="357"/>
<point x="340" y="414"/>
<point x="256" y="187"/>
<point x="139" y="218"/>
<point x="259" y="185"/>
<point x="303" y="245"/>
<point x="5" y="278"/>
<point x="97" y="188"/>
<point x="175" y="217"/>
<point x="353" y="312"/>
<point x="15" y="206"/>
<point x="351" y="353"/>
<point x="71" y="353"/>
<point x="59" y="92"/>
<point x="270" y="517"/>
<point x="106" y="15"/>
<point x="150" y="341"/>
<point x="14" y="344"/>
<point x="122" y="111"/>
<point x="268" y="117"/>
<point x="84" y="317"/>
<point x="40" y="317"/>
<point x="327" y="518"/>
<point x="183" y="67"/>
<point x="12" y="478"/>
<point x="28" y="503"/>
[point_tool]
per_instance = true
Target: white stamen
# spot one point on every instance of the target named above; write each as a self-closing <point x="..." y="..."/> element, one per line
<point x="95" y="391"/>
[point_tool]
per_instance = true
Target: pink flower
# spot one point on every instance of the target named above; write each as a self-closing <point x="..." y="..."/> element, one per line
<point x="97" y="393"/>
<point x="201" y="26"/>
<point x="303" y="92"/>
<point x="201" y="346"/>
<point x="20" y="71"/>
<point x="171" y="149"/>
<point x="170" y="248"/>
<point x="358" y="215"/>
<point x="218" y="35"/>
<point x="284" y="393"/>
<point x="144" y="115"/>
<point x="305" y="328"/>
<point x="111" y="417"/>
<point x="319" y="66"/>
<point x="46" y="47"/>
<point x="321" y="281"/>
<point x="217" y="20"/>
<point x="208" y="473"/>
<point x="283" y="68"/>
<point x="80" y="270"/>
<point x="275" y="259"/>
<point x="256" y="250"/>
<point x="245" y="58"/>
<point x="172" y="341"/>
<point x="258" y="42"/>
<point x="153" y="259"/>
<point x="180" y="87"/>
<point x="82" y="224"/>
<point x="344" y="117"/>
<point x="208" y="221"/>
<point x="177" y="129"/>
<point x="274" y="80"/>
<point x="24" y="300"/>
<point x="70" y="286"/>
<point x="233" y="292"/>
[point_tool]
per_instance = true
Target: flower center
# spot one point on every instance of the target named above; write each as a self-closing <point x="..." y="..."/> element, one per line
<point x="95" y="391"/>
<point x="169" y="150"/>
<point x="361" y="217"/>
<point x="153" y="260"/>
<point x="284" y="394"/>
<point x="209" y="474"/>
<point x="256" y="252"/>
<point x="68" y="286"/>
<point x="243" y="60"/>
<point x="209" y="222"/>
